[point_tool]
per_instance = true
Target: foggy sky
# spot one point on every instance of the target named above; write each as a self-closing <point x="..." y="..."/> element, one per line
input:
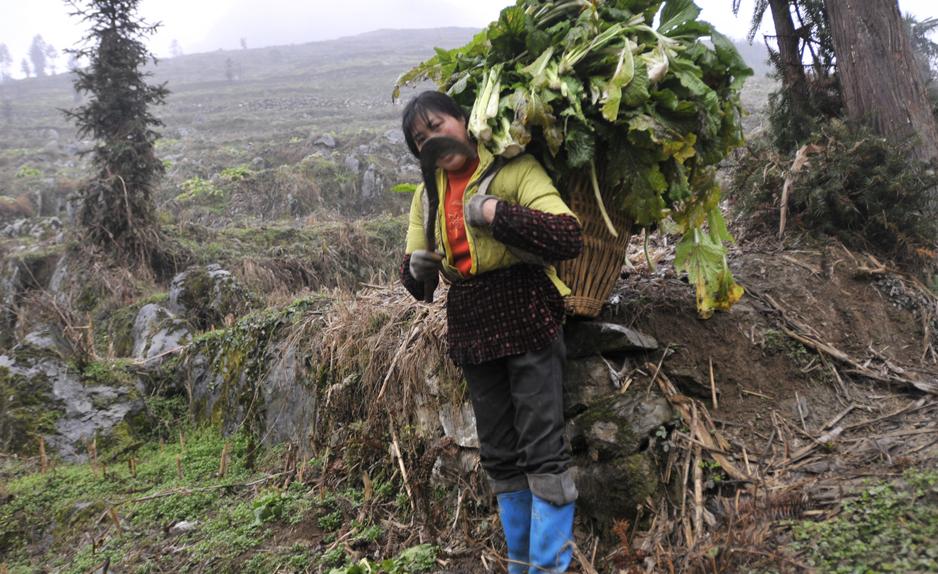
<point x="206" y="25"/>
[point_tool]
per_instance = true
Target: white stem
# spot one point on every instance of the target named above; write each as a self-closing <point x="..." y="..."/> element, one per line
<point x="599" y="201"/>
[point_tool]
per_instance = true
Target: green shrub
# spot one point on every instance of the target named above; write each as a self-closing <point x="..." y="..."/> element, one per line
<point x="198" y="191"/>
<point x="27" y="171"/>
<point x="236" y="173"/>
<point x="855" y="186"/>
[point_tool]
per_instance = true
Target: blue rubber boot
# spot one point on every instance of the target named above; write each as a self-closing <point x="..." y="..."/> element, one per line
<point x="551" y="536"/>
<point x="514" y="510"/>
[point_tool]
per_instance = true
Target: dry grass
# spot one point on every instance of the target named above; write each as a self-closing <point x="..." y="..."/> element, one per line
<point x="384" y="344"/>
<point x="15" y="208"/>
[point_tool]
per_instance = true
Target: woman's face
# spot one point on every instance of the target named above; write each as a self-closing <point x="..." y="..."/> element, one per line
<point x="437" y="125"/>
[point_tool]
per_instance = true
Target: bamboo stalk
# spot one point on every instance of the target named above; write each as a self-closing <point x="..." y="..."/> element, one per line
<point x="43" y="460"/>
<point x="114" y="518"/>
<point x="396" y="449"/>
<point x="713" y="385"/>
<point x="711" y="438"/>
<point x="698" y="493"/>
<point x="301" y="471"/>
<point x="223" y="462"/>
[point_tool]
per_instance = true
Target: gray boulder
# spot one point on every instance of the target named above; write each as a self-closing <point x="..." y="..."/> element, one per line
<point x="207" y="296"/>
<point x="585" y="338"/>
<point x="43" y="396"/>
<point x="372" y="184"/>
<point x="326" y="140"/>
<point x="352" y="163"/>
<point x="609" y="427"/>
<point x="156" y="331"/>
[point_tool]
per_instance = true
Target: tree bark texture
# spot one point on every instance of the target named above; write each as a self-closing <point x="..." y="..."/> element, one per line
<point x="882" y="85"/>
<point x="793" y="77"/>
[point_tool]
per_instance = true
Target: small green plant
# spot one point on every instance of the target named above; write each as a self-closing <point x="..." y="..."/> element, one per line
<point x="107" y="373"/>
<point x="332" y="558"/>
<point x="27" y="171"/>
<point x="330" y="522"/>
<point x="713" y="471"/>
<point x="404" y="188"/>
<point x="416" y="559"/>
<point x="891" y="527"/>
<point x="269" y="506"/>
<point x="237" y="173"/>
<point x="198" y="191"/>
<point x="662" y="438"/>
<point x="368" y="533"/>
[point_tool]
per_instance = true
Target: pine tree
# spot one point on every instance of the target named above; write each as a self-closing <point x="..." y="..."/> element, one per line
<point x="37" y="54"/>
<point x="117" y="205"/>
<point x="5" y="61"/>
<point x="51" y="56"/>
<point x="24" y="67"/>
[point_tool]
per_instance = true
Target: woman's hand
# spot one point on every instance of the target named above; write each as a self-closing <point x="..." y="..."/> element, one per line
<point x="424" y="265"/>
<point x="480" y="210"/>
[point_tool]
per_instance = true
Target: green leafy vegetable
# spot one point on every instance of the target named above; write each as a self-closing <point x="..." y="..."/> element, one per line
<point x="596" y="91"/>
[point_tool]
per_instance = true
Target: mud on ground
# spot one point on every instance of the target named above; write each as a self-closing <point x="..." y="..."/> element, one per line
<point x="824" y="378"/>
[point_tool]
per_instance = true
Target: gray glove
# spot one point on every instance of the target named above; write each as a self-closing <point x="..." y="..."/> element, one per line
<point x="424" y="265"/>
<point x="473" y="212"/>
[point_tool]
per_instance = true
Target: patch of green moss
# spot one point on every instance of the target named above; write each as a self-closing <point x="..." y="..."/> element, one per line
<point x="604" y="412"/>
<point x="114" y="373"/>
<point x="69" y="501"/>
<point x="115" y="334"/>
<point x="239" y="357"/>
<point x="26" y="411"/>
<point x="88" y="298"/>
<point x="891" y="527"/>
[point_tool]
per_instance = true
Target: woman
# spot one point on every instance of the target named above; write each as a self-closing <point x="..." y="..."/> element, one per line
<point x="497" y="228"/>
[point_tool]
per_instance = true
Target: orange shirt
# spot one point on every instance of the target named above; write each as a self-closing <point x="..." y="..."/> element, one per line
<point x="456" y="182"/>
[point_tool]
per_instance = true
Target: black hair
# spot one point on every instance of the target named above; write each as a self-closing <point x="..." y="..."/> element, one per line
<point x="423" y="104"/>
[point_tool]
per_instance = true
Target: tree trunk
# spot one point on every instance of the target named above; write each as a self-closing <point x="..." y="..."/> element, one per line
<point x="882" y="85"/>
<point x="793" y="78"/>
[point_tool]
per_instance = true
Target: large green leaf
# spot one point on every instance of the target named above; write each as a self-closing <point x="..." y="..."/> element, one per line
<point x="704" y="261"/>
<point x="677" y="13"/>
<point x="728" y="55"/>
<point x="580" y="144"/>
<point x="636" y="93"/>
<point x="690" y="76"/>
<point x="625" y="71"/>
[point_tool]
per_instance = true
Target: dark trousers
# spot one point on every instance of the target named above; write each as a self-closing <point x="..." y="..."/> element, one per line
<point x="518" y="403"/>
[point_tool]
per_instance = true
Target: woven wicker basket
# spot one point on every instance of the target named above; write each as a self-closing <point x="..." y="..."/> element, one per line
<point x="593" y="274"/>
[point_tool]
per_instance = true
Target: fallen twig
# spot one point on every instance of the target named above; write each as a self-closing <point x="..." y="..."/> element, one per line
<point x="188" y="491"/>
<point x="796" y="330"/>
<point x="709" y="437"/>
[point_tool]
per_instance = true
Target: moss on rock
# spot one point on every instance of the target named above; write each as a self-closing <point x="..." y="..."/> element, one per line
<point x="25" y="411"/>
